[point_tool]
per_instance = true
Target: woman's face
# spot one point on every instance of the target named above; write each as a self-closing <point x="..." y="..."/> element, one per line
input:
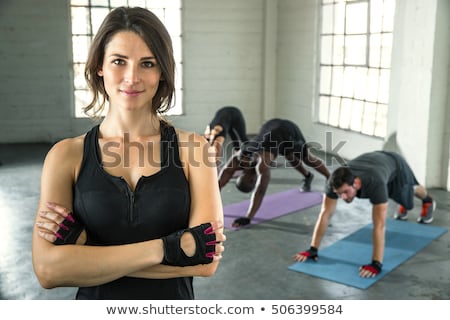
<point x="130" y="72"/>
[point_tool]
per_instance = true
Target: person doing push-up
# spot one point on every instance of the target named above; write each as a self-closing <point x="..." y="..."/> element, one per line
<point x="257" y="157"/>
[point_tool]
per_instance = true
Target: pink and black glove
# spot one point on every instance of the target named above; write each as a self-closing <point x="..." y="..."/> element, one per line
<point x="375" y="267"/>
<point x="205" y="247"/>
<point x="69" y="231"/>
<point x="311" y="253"/>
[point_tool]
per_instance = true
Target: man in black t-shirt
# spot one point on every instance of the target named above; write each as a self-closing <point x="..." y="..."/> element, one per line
<point x="377" y="176"/>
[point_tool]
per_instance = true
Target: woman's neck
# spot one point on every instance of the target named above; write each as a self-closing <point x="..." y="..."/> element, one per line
<point x="134" y="125"/>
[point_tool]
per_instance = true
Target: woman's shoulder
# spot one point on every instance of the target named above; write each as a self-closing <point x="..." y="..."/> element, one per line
<point x="194" y="148"/>
<point x="190" y="136"/>
<point x="67" y="149"/>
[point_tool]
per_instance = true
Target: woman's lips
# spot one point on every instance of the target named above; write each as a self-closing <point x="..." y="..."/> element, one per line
<point x="131" y="92"/>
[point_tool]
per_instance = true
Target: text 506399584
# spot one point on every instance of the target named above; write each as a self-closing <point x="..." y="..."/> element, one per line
<point x="306" y="309"/>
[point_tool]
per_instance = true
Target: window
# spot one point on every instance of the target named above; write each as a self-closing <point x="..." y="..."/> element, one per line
<point x="355" y="59"/>
<point x="87" y="16"/>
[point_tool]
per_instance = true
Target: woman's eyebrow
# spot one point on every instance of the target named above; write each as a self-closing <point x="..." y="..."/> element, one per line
<point x="118" y="55"/>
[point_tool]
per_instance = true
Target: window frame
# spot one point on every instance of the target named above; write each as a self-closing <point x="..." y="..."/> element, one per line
<point x="353" y="90"/>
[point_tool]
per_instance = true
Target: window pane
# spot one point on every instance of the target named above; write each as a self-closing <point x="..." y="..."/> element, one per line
<point x="324" y="105"/>
<point x="335" y="106"/>
<point x="326" y="49"/>
<point x="339" y="18"/>
<point x="338" y="50"/>
<point x="375" y="50"/>
<point x="381" y="122"/>
<point x="348" y="86"/>
<point x="357" y="113"/>
<point x="383" y="92"/>
<point x="356" y="18"/>
<point x="178" y="102"/>
<point x="104" y="3"/>
<point x="325" y="80"/>
<point x="176" y="43"/>
<point x="81" y="43"/>
<point x="360" y="83"/>
<point x="97" y="16"/>
<point x="355" y="50"/>
<point x="78" y="73"/>
<point x="173" y="21"/>
<point x="388" y="15"/>
<point x="327" y="19"/>
<point x="346" y="113"/>
<point x="376" y="16"/>
<point x="118" y="3"/>
<point x="172" y="4"/>
<point x="338" y="79"/>
<point x="152" y="4"/>
<point x="368" y="123"/>
<point x="80" y="21"/>
<point x="386" y="50"/>
<point x="160" y="13"/>
<point x="79" y="2"/>
<point x="372" y="85"/>
<point x="136" y="3"/>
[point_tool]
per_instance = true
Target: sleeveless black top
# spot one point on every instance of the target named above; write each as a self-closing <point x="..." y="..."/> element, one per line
<point x="280" y="136"/>
<point x="232" y="121"/>
<point x="113" y="215"/>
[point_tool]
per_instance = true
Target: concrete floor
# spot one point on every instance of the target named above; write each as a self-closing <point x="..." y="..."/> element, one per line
<point x="256" y="259"/>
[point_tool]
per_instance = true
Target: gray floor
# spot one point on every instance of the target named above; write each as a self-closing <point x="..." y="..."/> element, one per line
<point x="256" y="259"/>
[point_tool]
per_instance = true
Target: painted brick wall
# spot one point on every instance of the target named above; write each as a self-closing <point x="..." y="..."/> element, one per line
<point x="223" y="43"/>
<point x="35" y="93"/>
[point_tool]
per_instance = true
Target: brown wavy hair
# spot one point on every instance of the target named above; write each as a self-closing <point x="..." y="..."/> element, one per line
<point x="148" y="26"/>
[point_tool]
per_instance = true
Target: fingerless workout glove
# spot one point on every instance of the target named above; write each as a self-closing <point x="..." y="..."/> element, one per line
<point x="69" y="231"/>
<point x="205" y="247"/>
<point x="311" y="253"/>
<point x="375" y="267"/>
<point x="242" y="221"/>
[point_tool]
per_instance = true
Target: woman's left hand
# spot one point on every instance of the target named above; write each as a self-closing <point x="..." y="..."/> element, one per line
<point x="58" y="226"/>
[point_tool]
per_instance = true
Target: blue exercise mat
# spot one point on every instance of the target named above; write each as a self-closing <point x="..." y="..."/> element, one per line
<point x="340" y="261"/>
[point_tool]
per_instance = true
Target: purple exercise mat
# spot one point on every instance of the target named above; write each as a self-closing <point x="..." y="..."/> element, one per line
<point x="274" y="205"/>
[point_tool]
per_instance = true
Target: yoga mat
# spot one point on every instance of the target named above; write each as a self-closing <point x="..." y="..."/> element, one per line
<point x="340" y="261"/>
<point x="273" y="205"/>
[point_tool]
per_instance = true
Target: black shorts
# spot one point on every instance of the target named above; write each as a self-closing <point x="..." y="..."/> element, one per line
<point x="402" y="187"/>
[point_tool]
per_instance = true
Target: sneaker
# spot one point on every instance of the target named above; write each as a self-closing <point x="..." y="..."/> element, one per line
<point x="307" y="184"/>
<point x="426" y="216"/>
<point x="401" y="214"/>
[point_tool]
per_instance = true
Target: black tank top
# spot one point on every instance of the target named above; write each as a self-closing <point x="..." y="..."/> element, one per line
<point x="113" y="215"/>
<point x="230" y="119"/>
